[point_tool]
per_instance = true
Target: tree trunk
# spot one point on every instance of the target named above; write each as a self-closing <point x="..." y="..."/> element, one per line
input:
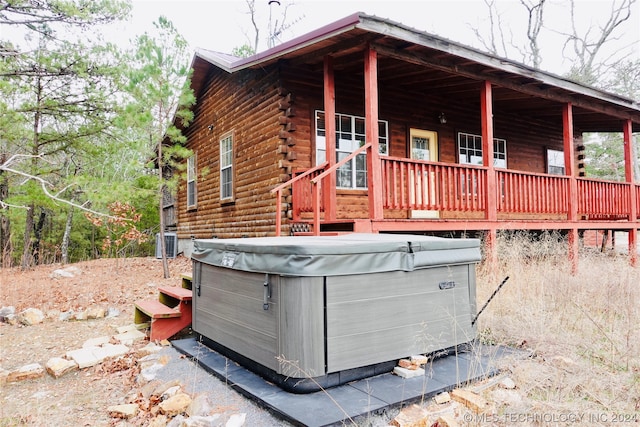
<point x="37" y="237"/>
<point x="66" y="237"/>
<point x="5" y="224"/>
<point x="163" y="246"/>
<point x="26" y="251"/>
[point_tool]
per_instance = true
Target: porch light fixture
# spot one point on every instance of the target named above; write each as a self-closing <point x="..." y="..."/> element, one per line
<point x="442" y="118"/>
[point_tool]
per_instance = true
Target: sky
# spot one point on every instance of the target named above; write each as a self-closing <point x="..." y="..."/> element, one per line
<point x="222" y="25"/>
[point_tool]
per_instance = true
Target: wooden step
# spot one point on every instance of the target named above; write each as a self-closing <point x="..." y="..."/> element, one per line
<point x="187" y="280"/>
<point x="176" y="292"/>
<point x="157" y="310"/>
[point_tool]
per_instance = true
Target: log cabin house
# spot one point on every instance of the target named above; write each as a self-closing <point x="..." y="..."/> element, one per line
<point x="430" y="137"/>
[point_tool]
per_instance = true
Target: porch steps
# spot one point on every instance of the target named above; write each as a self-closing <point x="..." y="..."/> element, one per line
<point x="169" y="314"/>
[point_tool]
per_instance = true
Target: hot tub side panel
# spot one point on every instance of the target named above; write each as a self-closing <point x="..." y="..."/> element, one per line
<point x="385" y="316"/>
<point x="228" y="309"/>
<point x="301" y="328"/>
<point x="287" y="337"/>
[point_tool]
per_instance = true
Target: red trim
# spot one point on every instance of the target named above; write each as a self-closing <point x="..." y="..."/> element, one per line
<point x="374" y="166"/>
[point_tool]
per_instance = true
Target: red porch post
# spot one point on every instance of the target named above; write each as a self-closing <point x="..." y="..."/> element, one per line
<point x="569" y="168"/>
<point x="329" y="183"/>
<point x="491" y="214"/>
<point x="374" y="167"/>
<point x="628" y="171"/>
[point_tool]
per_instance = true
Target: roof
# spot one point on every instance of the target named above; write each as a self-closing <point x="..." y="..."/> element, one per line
<point x="450" y="65"/>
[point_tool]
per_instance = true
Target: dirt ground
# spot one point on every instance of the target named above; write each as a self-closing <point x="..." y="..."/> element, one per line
<point x="80" y="397"/>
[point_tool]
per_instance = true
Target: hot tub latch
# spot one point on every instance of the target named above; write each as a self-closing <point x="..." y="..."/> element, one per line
<point x="267" y="292"/>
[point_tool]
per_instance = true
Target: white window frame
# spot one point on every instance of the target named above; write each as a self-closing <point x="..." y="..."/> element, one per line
<point x="350" y="135"/>
<point x="472" y="146"/>
<point x="192" y="189"/>
<point x="226" y="167"/>
<point x="555" y="162"/>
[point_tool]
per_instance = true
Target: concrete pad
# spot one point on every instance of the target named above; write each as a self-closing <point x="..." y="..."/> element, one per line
<point x="335" y="405"/>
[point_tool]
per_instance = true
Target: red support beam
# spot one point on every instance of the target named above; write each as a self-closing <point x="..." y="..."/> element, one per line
<point x="374" y="167"/>
<point x="570" y="170"/>
<point x="569" y="156"/>
<point x="329" y="183"/>
<point x="486" y="116"/>
<point x="633" y="207"/>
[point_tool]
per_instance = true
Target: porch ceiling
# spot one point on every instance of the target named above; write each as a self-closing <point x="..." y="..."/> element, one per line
<point x="426" y="71"/>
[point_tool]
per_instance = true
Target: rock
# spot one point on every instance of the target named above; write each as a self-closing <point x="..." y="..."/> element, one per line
<point x="84" y="357"/>
<point x="126" y="328"/>
<point x="411" y="416"/>
<point x="96" y="342"/>
<point x="175" y="404"/>
<point x="507" y="383"/>
<point x="159" y="421"/>
<point x="562" y="361"/>
<point x="80" y="316"/>
<point x="236" y="420"/>
<point x="111" y="350"/>
<point x="177" y="421"/>
<point x="170" y="392"/>
<point x="129" y="337"/>
<point x="199" y="421"/>
<point x="53" y="314"/>
<point x="66" y="315"/>
<point x="6" y="312"/>
<point x="126" y="411"/>
<point x="3" y="376"/>
<point x="95" y="312"/>
<point x="61" y="273"/>
<point x="57" y="366"/>
<point x="11" y="319"/>
<point x="201" y="406"/>
<point x="442" y="398"/>
<point x="445" y="421"/>
<point x="419" y="360"/>
<point x="471" y="400"/>
<point x="31" y="316"/>
<point x="112" y="312"/>
<point x="165" y="343"/>
<point x="162" y="388"/>
<point x="408" y="373"/>
<point x="27" y="372"/>
<point x="407" y="364"/>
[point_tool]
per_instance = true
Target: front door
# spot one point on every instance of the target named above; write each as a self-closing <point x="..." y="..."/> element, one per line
<point x="423" y="145"/>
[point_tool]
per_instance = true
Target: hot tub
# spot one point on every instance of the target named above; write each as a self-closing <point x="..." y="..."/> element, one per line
<point x="311" y="312"/>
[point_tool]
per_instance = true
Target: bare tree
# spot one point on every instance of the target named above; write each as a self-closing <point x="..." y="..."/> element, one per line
<point x="534" y="25"/>
<point x="276" y="26"/>
<point x="587" y="47"/>
<point x="500" y="40"/>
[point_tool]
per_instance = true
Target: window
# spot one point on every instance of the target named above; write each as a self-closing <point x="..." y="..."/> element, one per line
<point x="350" y="135"/>
<point x="226" y="167"/>
<point x="555" y="162"/>
<point x="192" y="199"/>
<point x="470" y="150"/>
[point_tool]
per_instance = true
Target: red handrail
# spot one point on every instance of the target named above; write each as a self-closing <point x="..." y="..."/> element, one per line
<point x="279" y="188"/>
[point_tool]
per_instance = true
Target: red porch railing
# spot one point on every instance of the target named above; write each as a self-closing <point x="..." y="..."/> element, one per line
<point x="638" y="201"/>
<point x="300" y="194"/>
<point x="420" y="185"/>
<point x="604" y="199"/>
<point x="524" y="192"/>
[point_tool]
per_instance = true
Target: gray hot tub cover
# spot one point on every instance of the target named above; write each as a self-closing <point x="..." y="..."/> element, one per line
<point x="355" y="253"/>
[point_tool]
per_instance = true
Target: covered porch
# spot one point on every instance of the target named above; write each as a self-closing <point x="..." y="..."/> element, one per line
<point x="398" y="69"/>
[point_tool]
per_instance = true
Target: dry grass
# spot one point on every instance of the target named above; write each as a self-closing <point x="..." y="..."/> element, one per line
<point x="583" y="328"/>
